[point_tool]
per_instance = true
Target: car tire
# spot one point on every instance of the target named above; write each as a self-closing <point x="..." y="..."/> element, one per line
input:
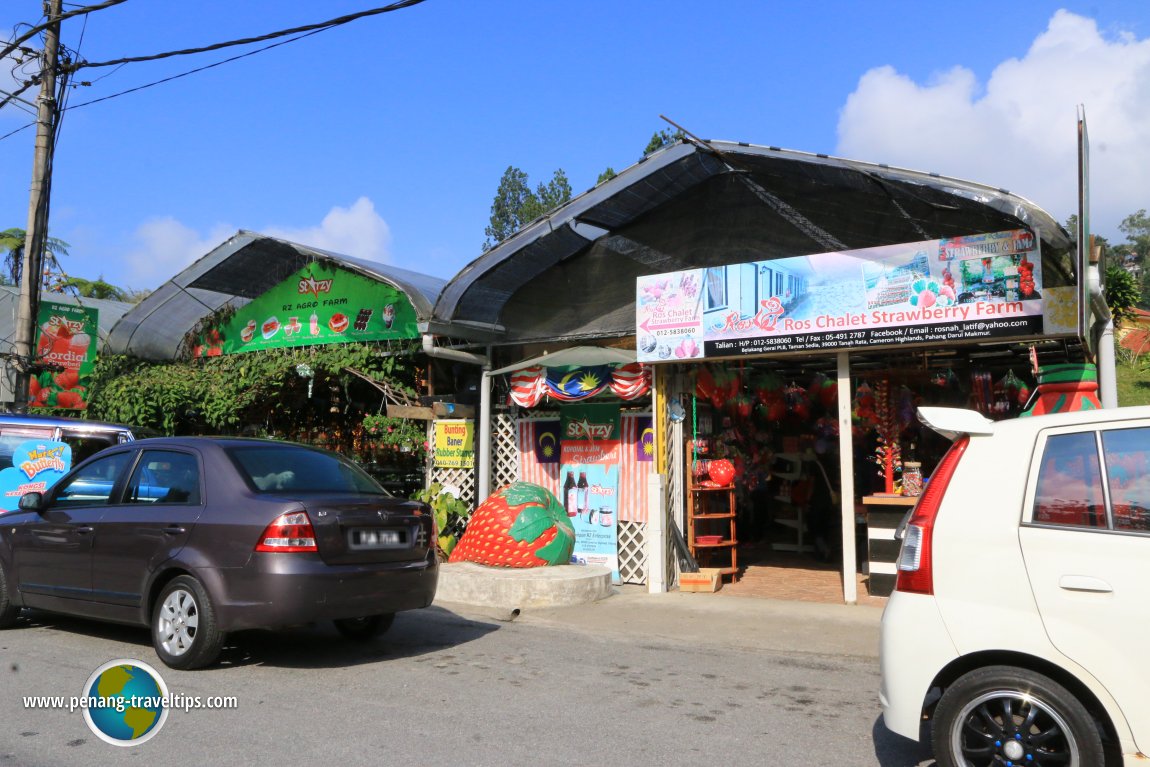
<point x="365" y="628"/>
<point x="184" y="630"/>
<point x="8" y="611"/>
<point x="1003" y="715"/>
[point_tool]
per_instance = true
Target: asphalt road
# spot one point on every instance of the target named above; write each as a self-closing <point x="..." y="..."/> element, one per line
<point x="459" y="686"/>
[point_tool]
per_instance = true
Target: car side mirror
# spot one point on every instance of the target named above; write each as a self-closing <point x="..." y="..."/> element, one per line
<point x="32" y="502"/>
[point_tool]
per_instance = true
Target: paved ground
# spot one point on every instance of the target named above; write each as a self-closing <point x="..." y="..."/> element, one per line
<point x="718" y="619"/>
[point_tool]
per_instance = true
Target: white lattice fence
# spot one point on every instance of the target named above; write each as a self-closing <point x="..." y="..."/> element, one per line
<point x="632" y="552"/>
<point x="504" y="451"/>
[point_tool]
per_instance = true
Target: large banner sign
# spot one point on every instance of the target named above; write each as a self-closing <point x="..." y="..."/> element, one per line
<point x="589" y="450"/>
<point x="66" y="339"/>
<point x="320" y="304"/>
<point x="976" y="287"/>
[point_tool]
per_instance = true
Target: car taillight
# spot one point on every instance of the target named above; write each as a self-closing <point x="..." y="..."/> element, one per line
<point x="915" y="564"/>
<point x="287" y="533"/>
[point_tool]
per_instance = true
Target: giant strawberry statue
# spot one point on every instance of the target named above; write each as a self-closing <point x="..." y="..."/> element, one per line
<point x="522" y="525"/>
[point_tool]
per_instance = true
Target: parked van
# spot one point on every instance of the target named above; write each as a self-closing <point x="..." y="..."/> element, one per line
<point x="84" y="437"/>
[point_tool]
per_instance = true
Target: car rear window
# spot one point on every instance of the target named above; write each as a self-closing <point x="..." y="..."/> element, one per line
<point x="1127" y="454"/>
<point x="279" y="468"/>
<point x="1070" y="483"/>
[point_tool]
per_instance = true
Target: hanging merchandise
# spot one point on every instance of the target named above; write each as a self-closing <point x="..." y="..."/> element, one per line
<point x="863" y="407"/>
<point x="887" y="426"/>
<point x="796" y="399"/>
<point x="982" y="393"/>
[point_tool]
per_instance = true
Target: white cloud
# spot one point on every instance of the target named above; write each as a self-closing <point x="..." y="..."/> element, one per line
<point x="1019" y="132"/>
<point x="163" y="247"/>
<point x="356" y="231"/>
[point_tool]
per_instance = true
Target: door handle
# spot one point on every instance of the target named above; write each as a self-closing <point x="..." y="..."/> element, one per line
<point x="1084" y="583"/>
<point x="174" y="530"/>
<point x="84" y="530"/>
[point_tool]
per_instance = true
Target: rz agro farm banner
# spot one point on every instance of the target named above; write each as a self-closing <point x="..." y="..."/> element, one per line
<point x="970" y="288"/>
<point x="320" y="304"/>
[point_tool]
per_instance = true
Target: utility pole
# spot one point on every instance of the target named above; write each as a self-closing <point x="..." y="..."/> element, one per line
<point x="37" y="231"/>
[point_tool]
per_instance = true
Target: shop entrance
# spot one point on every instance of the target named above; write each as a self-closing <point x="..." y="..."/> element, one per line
<point x="775" y="530"/>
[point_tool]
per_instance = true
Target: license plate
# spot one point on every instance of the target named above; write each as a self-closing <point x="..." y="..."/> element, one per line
<point x="375" y="539"/>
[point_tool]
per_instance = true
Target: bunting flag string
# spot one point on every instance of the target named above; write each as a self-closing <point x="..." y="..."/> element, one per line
<point x="530" y="385"/>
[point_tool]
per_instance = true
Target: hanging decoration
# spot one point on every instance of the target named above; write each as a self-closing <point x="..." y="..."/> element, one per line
<point x="887" y="452"/>
<point x="530" y="385"/>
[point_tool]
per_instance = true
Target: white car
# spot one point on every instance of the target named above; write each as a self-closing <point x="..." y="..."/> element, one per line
<point x="1020" y="622"/>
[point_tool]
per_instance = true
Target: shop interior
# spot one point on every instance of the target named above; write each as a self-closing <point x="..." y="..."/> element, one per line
<point x="773" y="425"/>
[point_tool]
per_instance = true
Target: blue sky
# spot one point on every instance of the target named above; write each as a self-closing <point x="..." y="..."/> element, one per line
<point x="386" y="138"/>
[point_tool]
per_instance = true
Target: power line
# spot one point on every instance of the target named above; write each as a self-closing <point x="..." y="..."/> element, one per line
<point x="189" y="72"/>
<point x="321" y="26"/>
<point x="38" y="29"/>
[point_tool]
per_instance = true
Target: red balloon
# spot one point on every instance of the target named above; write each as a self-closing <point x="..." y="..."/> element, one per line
<point x="722" y="471"/>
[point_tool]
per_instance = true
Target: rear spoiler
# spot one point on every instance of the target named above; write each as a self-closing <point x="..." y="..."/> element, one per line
<point x="952" y="421"/>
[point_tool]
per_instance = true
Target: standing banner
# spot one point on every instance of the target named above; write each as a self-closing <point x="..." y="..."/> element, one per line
<point x="455" y="444"/>
<point x="590" y="466"/>
<point x="64" y="339"/>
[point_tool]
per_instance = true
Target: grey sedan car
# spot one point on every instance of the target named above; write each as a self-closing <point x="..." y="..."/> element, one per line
<point x="199" y="536"/>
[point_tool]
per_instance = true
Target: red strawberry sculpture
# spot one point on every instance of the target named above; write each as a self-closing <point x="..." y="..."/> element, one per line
<point x="522" y="525"/>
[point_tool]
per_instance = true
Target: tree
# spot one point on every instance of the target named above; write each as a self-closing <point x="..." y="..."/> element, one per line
<point x="96" y="288"/>
<point x="1136" y="227"/>
<point x="1122" y="293"/>
<point x="663" y="138"/>
<point x="516" y="204"/>
<point x="12" y="241"/>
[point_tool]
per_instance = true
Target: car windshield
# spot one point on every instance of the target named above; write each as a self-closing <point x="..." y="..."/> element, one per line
<point x="276" y="468"/>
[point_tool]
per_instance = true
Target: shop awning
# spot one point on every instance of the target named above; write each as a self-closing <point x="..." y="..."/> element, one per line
<point x="575" y="356"/>
<point x="571" y="274"/>
<point x="239" y="270"/>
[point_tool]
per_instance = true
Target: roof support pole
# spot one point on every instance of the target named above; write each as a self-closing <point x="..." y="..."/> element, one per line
<point x="847" y="479"/>
<point x="483" y="481"/>
<point x="1103" y="331"/>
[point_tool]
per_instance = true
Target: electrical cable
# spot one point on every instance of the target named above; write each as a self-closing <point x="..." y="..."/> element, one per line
<point x="319" y="27"/>
<point x="13" y="45"/>
<point x="190" y="72"/>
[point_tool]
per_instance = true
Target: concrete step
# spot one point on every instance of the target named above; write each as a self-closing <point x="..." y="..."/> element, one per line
<point x="507" y="588"/>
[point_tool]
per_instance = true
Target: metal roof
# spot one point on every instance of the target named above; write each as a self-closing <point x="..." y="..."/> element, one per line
<point x="571" y="274"/>
<point x="243" y="268"/>
<point x="108" y="312"/>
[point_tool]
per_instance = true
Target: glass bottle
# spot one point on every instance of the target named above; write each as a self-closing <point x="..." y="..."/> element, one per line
<point x="570" y="502"/>
<point x="582" y="494"/>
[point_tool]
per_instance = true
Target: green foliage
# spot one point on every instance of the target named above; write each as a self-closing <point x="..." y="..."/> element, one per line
<point x="404" y="433"/>
<point x="516" y="204"/>
<point x="606" y="175"/>
<point x="221" y="394"/>
<point x="1133" y="381"/>
<point x="1122" y="293"/>
<point x="96" y="288"/>
<point x="12" y="242"/>
<point x="449" y="514"/>
<point x="663" y="138"/>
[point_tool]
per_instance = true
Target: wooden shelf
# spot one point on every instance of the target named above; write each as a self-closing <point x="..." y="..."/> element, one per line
<point x="711" y="511"/>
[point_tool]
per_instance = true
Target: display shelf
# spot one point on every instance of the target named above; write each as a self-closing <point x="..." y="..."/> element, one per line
<point x="711" y="532"/>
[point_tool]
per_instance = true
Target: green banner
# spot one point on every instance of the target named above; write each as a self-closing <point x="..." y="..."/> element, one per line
<point x="589" y="423"/>
<point x="66" y="337"/>
<point x="320" y="304"/>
